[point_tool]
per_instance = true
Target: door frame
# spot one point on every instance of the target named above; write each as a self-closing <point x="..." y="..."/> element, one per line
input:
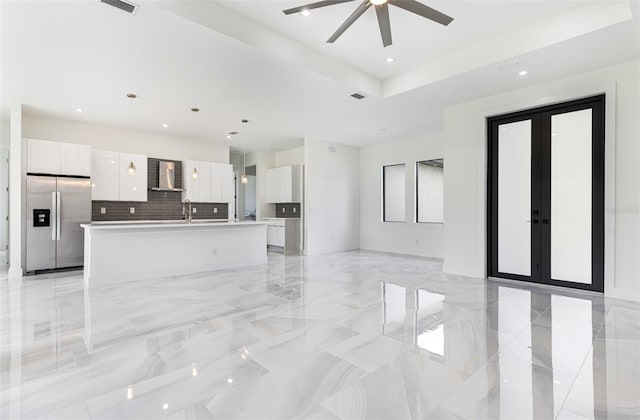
<point x="540" y="116"/>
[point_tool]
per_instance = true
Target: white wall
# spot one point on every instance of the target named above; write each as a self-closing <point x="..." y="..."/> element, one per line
<point x="423" y="239"/>
<point x="290" y="157"/>
<point x="465" y="171"/>
<point x="332" y="197"/>
<point x="124" y="140"/>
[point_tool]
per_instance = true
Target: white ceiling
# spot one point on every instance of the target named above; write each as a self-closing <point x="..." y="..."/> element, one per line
<point x="415" y="39"/>
<point x="248" y="60"/>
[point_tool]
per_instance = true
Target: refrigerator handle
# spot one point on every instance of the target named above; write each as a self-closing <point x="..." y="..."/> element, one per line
<point x="54" y="223"/>
<point x="58" y="216"/>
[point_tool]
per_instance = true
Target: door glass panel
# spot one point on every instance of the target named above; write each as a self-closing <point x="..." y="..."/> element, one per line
<point x="571" y="181"/>
<point x="514" y="198"/>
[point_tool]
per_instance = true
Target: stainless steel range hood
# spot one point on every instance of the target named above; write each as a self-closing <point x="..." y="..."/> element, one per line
<point x="166" y="177"/>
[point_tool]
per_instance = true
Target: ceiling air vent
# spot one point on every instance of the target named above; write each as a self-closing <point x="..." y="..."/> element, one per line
<point x="122" y="5"/>
<point x="357" y="96"/>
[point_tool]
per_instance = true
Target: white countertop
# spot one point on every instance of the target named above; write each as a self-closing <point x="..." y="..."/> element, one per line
<point x="155" y="224"/>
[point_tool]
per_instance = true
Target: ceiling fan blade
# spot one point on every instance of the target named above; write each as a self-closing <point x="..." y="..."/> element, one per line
<point x="422" y="10"/>
<point x="354" y="16"/>
<point x="314" y="6"/>
<point x="382" y="12"/>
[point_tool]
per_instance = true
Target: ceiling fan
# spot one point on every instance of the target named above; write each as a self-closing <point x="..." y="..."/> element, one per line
<point x="382" y="11"/>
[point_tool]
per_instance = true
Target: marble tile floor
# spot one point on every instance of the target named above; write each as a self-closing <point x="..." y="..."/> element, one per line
<point x="352" y="335"/>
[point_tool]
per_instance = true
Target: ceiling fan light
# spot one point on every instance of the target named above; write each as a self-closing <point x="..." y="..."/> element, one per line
<point x="378" y="2"/>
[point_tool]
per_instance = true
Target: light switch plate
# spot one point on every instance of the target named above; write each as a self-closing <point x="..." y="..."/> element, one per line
<point x="103" y="210"/>
<point x="283" y="209"/>
<point x="215" y="209"/>
<point x="294" y="209"/>
<point x="195" y="210"/>
<point x="132" y="210"/>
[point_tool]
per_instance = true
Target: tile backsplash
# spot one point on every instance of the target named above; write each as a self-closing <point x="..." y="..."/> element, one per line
<point x="288" y="210"/>
<point x="160" y="205"/>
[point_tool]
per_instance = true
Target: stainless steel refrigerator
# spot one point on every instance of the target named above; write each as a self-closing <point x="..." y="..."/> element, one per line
<point x="56" y="206"/>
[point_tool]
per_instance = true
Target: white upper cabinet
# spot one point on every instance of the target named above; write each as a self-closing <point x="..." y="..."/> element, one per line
<point x="75" y="159"/>
<point x="205" y="180"/>
<point x="227" y="185"/>
<point x="43" y="157"/>
<point x="56" y="158"/>
<point x="213" y="183"/>
<point x="105" y="175"/>
<point x="191" y="183"/>
<point x="133" y="177"/>
<point x="118" y="176"/>
<point x="283" y="184"/>
<point x="216" y="182"/>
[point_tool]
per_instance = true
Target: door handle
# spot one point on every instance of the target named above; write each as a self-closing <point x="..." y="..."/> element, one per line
<point x="54" y="224"/>
<point x="58" y="216"/>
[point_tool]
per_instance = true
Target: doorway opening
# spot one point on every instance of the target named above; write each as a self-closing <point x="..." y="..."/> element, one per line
<point x="546" y="195"/>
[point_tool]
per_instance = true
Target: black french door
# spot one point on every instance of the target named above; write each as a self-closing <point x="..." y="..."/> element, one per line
<point x="546" y="195"/>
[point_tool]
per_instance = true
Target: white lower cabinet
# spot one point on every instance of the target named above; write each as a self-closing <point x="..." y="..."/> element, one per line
<point x="284" y="233"/>
<point x="275" y="235"/>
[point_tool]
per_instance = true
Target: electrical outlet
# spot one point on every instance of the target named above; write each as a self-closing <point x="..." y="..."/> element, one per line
<point x="283" y="209"/>
<point x="215" y="210"/>
<point x="103" y="210"/>
<point x="195" y="210"/>
<point x="294" y="209"/>
<point x="132" y="210"/>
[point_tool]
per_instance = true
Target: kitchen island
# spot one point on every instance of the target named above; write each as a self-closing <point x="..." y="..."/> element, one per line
<point x="122" y="251"/>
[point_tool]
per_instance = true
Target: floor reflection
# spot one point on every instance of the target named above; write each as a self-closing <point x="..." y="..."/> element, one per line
<point x="349" y="335"/>
<point x="529" y="352"/>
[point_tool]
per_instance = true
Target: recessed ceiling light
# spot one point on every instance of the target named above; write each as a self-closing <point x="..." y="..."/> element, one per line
<point x="78" y="109"/>
<point x="165" y="125"/>
<point x="229" y="136"/>
<point x="522" y="72"/>
<point x="390" y="60"/>
<point x="305" y="12"/>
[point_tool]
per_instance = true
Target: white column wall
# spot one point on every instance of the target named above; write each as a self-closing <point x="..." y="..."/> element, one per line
<point x="332" y="197"/>
<point x="422" y="239"/>
<point x="465" y="171"/>
<point x="15" y="193"/>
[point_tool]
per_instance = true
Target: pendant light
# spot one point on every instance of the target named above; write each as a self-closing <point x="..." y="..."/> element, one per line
<point x="244" y="179"/>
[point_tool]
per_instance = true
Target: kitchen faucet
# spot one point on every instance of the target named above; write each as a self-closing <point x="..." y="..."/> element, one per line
<point x="184" y="206"/>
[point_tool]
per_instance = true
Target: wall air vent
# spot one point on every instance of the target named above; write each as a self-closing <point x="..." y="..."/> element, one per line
<point x="122" y="5"/>
<point x="357" y="96"/>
